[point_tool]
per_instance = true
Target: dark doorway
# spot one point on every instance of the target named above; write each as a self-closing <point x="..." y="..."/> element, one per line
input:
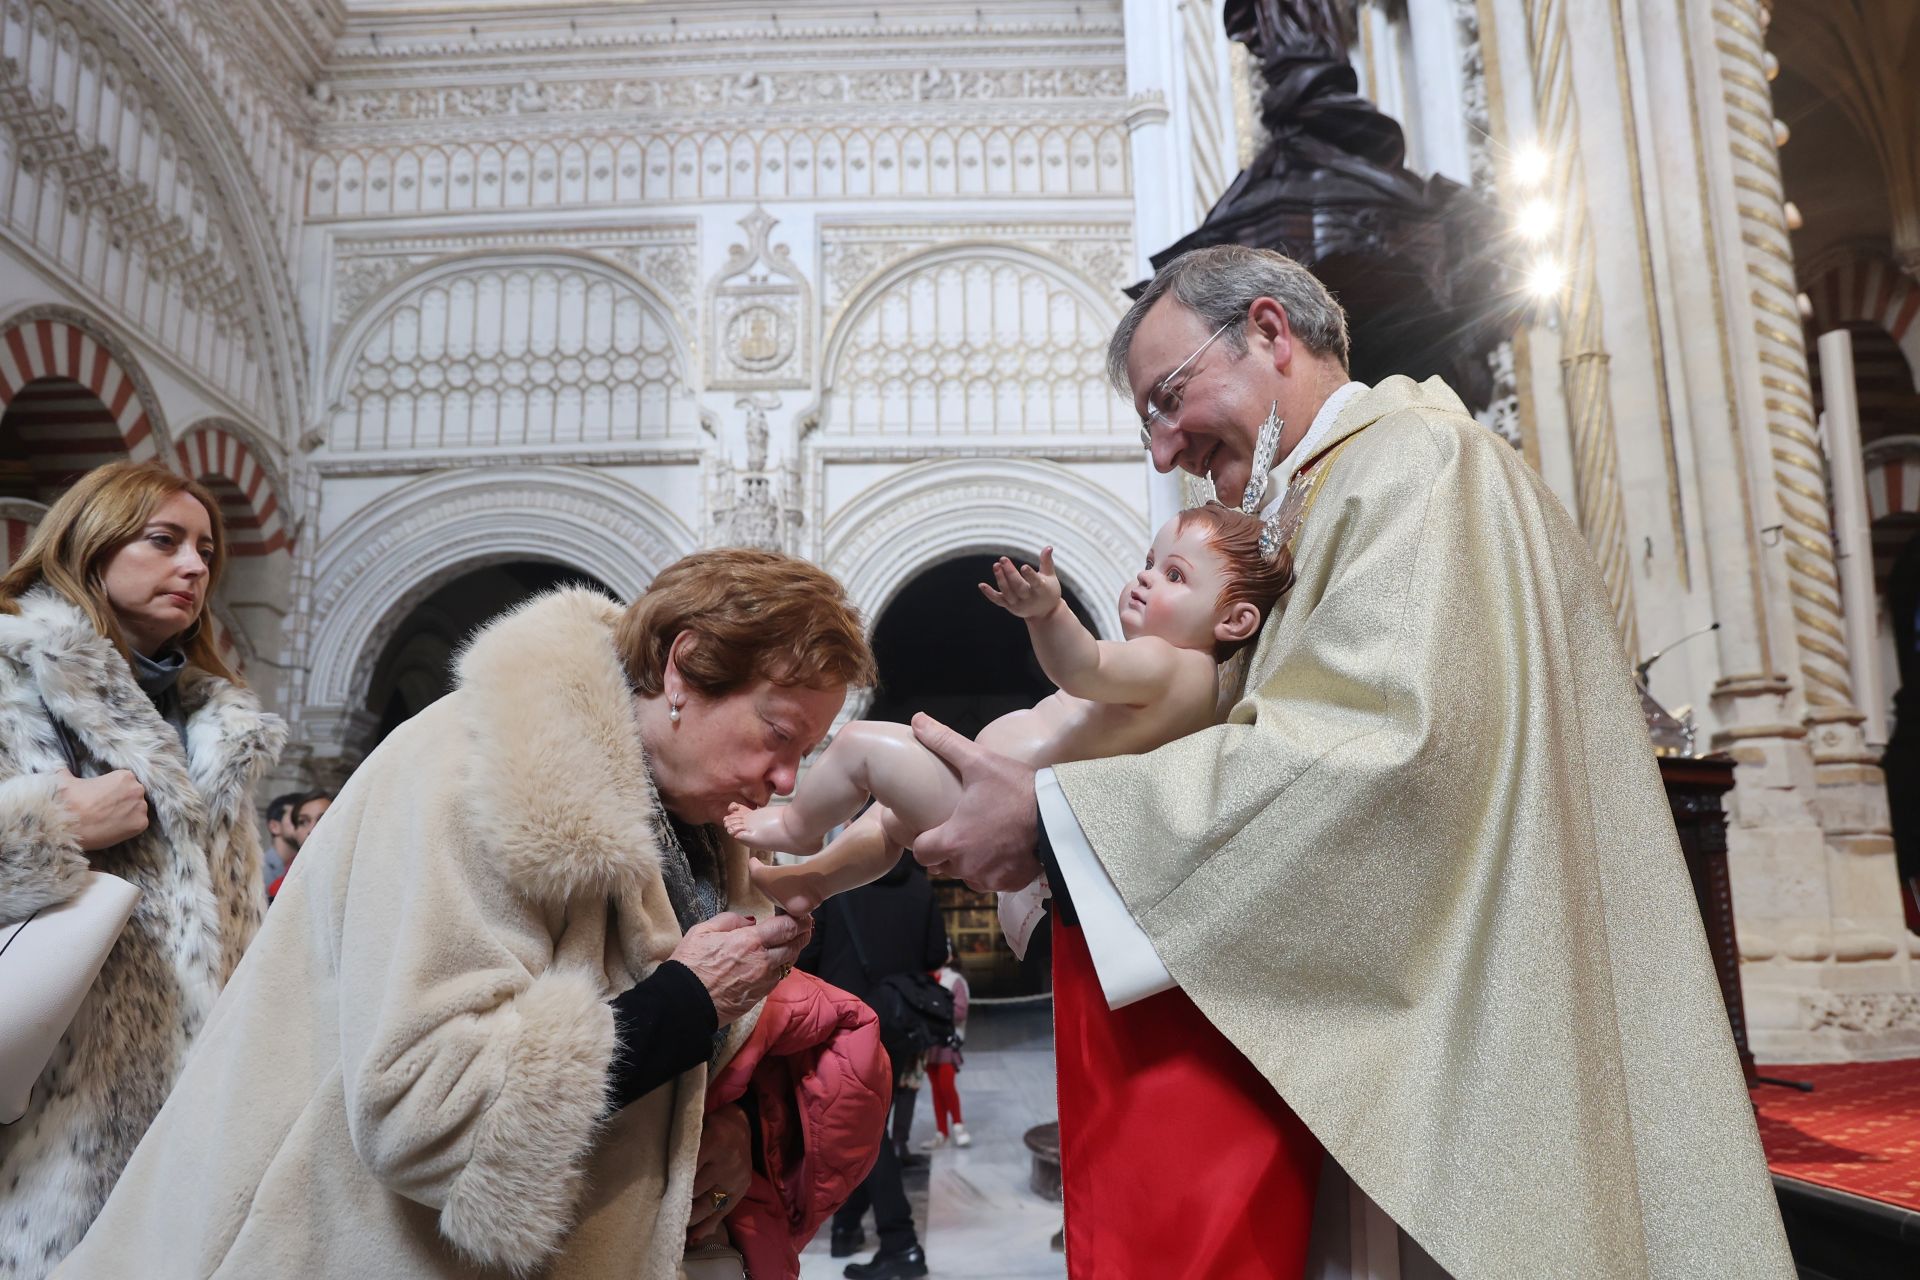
<point x="946" y="650"/>
<point x="416" y="668"/>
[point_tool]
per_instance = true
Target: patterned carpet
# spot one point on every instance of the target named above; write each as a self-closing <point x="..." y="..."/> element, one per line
<point x="1858" y="1131"/>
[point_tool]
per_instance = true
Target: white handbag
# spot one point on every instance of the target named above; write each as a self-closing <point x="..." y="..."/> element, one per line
<point x="47" y="965"/>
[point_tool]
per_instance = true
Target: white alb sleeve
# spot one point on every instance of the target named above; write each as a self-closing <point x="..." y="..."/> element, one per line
<point x="1123" y="956"/>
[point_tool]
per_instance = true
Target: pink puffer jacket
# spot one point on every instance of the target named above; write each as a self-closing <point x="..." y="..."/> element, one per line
<point x="821" y="1085"/>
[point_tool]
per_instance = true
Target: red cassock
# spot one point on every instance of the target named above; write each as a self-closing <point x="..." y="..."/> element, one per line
<point x="1179" y="1160"/>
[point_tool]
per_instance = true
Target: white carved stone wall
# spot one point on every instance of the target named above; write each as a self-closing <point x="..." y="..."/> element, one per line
<point x="983" y="507"/>
<point x="366" y="179"/>
<point x="522" y="350"/>
<point x="617" y="252"/>
<point x="601" y="288"/>
<point x="974" y="341"/>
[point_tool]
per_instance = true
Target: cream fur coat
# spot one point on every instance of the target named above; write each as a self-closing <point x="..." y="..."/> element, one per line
<point x="198" y="869"/>
<point x="407" y="1076"/>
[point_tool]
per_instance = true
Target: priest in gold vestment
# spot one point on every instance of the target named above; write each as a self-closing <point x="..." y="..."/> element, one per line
<point x="1423" y="878"/>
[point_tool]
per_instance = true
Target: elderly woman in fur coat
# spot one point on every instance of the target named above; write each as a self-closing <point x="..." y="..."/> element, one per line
<point x="475" y="1035"/>
<point x="126" y="746"/>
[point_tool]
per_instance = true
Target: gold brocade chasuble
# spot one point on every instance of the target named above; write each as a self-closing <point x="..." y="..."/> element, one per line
<point x="1425" y="878"/>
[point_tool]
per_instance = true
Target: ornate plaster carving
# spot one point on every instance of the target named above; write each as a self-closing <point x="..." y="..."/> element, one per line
<point x="983" y="506"/>
<point x="760" y="310"/>
<point x="661" y="254"/>
<point x="572" y="162"/>
<point x="853" y="253"/>
<point x="1876" y="1012"/>
<point x="1502" y="413"/>
<point x="751" y="89"/>
<point x="759" y="504"/>
<point x="407" y="544"/>
<point x="972" y="339"/>
<point x="1475" y="111"/>
<point x="512" y="350"/>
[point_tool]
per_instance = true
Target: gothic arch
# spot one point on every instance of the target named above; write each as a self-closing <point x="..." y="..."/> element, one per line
<point x="1872" y="289"/>
<point x="1893" y="477"/>
<point x="985" y="506"/>
<point x="405" y="545"/>
<point x="60" y="342"/>
<point x="953" y="372"/>
<point x="217" y="451"/>
<point x="400" y="352"/>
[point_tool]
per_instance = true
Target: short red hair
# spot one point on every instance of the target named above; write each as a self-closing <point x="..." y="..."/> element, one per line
<point x="752" y="615"/>
<point x="1253" y="577"/>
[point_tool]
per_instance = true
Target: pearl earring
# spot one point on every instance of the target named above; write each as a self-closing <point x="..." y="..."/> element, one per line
<point x="673" y="712"/>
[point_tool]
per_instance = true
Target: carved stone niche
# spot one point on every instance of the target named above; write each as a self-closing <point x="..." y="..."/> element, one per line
<point x="759" y="316"/>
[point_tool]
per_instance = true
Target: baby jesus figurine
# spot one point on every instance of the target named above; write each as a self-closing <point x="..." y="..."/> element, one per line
<point x="1210" y="579"/>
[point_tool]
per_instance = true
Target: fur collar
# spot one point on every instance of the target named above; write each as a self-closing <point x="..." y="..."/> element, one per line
<point x="89" y="687"/>
<point x="562" y="786"/>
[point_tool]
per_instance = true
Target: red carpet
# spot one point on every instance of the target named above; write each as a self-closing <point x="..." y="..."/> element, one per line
<point x="1858" y="1131"/>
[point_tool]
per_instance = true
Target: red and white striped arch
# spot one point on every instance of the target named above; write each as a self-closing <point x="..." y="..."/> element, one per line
<point x="1875" y="290"/>
<point x="70" y="370"/>
<point x="1893" y="481"/>
<point x="223" y="461"/>
<point x="19" y="517"/>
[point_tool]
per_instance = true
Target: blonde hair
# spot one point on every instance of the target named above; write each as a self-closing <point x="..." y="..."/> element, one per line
<point x="752" y="615"/>
<point x="1253" y="577"/>
<point x="106" y="509"/>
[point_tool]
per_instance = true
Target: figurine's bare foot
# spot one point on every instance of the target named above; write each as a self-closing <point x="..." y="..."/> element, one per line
<point x="765" y="829"/>
<point x="796" y="888"/>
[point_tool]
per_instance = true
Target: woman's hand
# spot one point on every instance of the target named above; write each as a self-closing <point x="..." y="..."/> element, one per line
<point x="725" y="1170"/>
<point x="106" y="809"/>
<point x="739" y="960"/>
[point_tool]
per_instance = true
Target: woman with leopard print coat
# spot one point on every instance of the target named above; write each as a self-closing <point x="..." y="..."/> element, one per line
<point x="126" y="747"/>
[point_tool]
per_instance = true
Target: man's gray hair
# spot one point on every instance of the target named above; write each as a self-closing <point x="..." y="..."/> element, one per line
<point x="1219" y="283"/>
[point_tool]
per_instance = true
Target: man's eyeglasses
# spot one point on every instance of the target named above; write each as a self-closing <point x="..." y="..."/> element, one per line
<point x="1156" y="416"/>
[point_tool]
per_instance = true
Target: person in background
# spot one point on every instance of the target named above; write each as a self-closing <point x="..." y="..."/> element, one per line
<point x="898" y="931"/>
<point x="126" y="747"/>
<point x="308" y="813"/>
<point x="944" y="1061"/>
<point x="281" y="845"/>
<point x="307" y="809"/>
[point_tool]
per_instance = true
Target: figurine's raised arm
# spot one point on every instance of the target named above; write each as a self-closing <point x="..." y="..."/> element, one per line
<point x="1131" y="672"/>
<point x="1204" y="585"/>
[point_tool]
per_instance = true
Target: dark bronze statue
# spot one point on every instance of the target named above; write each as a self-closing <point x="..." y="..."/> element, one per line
<point x="1413" y="259"/>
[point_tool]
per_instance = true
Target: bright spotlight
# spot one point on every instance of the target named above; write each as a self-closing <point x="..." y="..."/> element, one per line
<point x="1530" y="166"/>
<point x="1536" y="219"/>
<point x="1546" y="279"/>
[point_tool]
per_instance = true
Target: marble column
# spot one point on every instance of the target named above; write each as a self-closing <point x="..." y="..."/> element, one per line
<point x="1158" y="133"/>
<point x="1722" y="482"/>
